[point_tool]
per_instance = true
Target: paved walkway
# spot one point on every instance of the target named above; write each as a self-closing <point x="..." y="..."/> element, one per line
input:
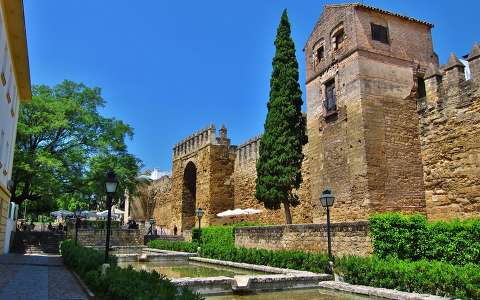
<point x="39" y="277"/>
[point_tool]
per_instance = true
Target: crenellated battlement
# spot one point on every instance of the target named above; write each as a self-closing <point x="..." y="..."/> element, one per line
<point x="448" y="126"/>
<point x="447" y="87"/>
<point x="248" y="151"/>
<point x="199" y="139"/>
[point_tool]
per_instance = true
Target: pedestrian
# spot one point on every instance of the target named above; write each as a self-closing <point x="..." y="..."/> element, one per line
<point x="175" y="229"/>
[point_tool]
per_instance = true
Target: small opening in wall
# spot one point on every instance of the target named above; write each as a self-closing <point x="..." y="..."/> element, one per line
<point x="379" y="33"/>
<point x="330" y="96"/>
<point x="421" y="91"/>
<point x="338" y="39"/>
<point x="320" y="53"/>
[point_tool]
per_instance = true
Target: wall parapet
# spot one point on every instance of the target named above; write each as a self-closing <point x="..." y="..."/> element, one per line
<point x="448" y="126"/>
<point x="247" y="151"/>
<point x="199" y="139"/>
<point x="451" y="86"/>
<point x="348" y="238"/>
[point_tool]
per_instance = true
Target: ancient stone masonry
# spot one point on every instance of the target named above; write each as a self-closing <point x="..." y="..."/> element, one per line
<point x="365" y="147"/>
<point x="202" y="166"/>
<point x="347" y="238"/>
<point x="388" y="130"/>
<point x="244" y="178"/>
<point x="450" y="136"/>
<point x="164" y="201"/>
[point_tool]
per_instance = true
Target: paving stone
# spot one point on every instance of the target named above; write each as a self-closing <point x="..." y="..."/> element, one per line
<point x="38" y="277"/>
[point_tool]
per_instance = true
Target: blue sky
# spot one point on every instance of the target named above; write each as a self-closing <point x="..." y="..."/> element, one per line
<point x="169" y="68"/>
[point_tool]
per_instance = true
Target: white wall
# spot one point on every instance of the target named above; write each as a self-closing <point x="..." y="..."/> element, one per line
<point x="10" y="226"/>
<point x="9" y="106"/>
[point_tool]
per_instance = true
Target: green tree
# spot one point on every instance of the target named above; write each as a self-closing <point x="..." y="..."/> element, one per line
<point x="279" y="166"/>
<point x="62" y="141"/>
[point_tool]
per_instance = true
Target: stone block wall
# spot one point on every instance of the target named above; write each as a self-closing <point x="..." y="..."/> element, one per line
<point x="367" y="149"/>
<point x="118" y="237"/>
<point x="244" y="178"/>
<point x="380" y="149"/>
<point x="450" y="136"/>
<point x="350" y="238"/>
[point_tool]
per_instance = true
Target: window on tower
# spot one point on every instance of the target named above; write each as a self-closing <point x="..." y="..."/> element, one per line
<point x="320" y="53"/>
<point x="337" y="38"/>
<point x="330" y="96"/>
<point x="379" y="33"/>
<point x="421" y="91"/>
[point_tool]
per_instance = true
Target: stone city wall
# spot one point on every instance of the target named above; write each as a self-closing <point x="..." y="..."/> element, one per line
<point x="450" y="131"/>
<point x="349" y="238"/>
<point x="244" y="177"/>
<point x="163" y="203"/>
<point x="118" y="237"/>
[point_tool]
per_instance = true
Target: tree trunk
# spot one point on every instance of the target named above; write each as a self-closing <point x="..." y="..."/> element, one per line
<point x="288" y="214"/>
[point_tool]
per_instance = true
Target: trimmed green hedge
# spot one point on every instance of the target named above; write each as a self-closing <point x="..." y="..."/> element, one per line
<point x="173" y="245"/>
<point x="313" y="262"/>
<point x="218" y="242"/>
<point x="224" y="234"/>
<point x="118" y="283"/>
<point x="432" y="277"/>
<point x="83" y="259"/>
<point x="100" y="224"/>
<point x="413" y="237"/>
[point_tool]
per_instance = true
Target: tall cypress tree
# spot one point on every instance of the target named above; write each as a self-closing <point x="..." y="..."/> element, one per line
<point x="279" y="166"/>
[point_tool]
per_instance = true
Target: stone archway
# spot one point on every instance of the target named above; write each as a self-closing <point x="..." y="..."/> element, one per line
<point x="189" y="196"/>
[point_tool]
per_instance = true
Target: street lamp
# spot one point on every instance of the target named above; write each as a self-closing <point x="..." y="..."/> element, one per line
<point x="110" y="186"/>
<point x="77" y="222"/>
<point x="199" y="213"/>
<point x="327" y="199"/>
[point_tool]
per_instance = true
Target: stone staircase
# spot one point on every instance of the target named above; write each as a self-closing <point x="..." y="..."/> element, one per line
<point x="37" y="242"/>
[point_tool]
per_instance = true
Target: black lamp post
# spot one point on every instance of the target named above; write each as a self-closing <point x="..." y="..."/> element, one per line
<point x="327" y="199"/>
<point x="77" y="223"/>
<point x="110" y="186"/>
<point x="199" y="213"/>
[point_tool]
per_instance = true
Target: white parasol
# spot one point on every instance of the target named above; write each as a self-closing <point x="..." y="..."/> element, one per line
<point x="61" y="213"/>
<point x="238" y="212"/>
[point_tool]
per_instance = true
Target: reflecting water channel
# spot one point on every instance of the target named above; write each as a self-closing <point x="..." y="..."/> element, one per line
<point x="180" y="269"/>
<point x="308" y="294"/>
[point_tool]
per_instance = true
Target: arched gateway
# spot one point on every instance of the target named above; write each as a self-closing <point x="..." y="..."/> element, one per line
<point x="189" y="194"/>
<point x="202" y="166"/>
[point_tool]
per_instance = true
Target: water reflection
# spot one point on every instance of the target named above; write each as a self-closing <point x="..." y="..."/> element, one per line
<point x="308" y="294"/>
<point x="187" y="269"/>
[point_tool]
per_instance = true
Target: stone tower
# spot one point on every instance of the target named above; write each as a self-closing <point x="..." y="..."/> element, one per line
<point x="202" y="166"/>
<point x="365" y="69"/>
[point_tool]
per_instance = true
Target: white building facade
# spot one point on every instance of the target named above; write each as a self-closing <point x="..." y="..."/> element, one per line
<point x="14" y="88"/>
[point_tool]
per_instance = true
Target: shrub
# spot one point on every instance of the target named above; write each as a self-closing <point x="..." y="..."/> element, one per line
<point x="220" y="249"/>
<point x="127" y="283"/>
<point x="412" y="237"/>
<point x="82" y="259"/>
<point x="421" y="276"/>
<point x="173" y="245"/>
<point x="118" y="283"/>
<point x="225" y="233"/>
<point x="100" y="224"/>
